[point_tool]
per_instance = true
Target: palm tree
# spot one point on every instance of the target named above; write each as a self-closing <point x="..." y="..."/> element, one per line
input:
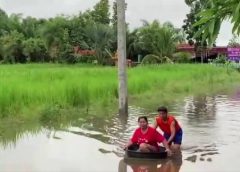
<point x="55" y="33"/>
<point x="101" y="38"/>
<point x="159" y="39"/>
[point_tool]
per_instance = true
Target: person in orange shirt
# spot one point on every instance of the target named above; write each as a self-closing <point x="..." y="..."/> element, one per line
<point x="172" y="131"/>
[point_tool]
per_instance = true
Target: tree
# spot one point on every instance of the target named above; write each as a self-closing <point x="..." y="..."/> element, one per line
<point x="35" y="50"/>
<point x="134" y="45"/>
<point x="114" y="16"/>
<point x="100" y="12"/>
<point x="212" y="16"/>
<point x="77" y="36"/>
<point x="77" y="28"/>
<point x="3" y="22"/>
<point x="234" y="42"/>
<point x="11" y="23"/>
<point x="66" y="53"/>
<point x="199" y="42"/>
<point x="30" y="26"/>
<point x="3" y="13"/>
<point x="158" y="39"/>
<point x="52" y="32"/>
<point x="11" y="47"/>
<point x="153" y="38"/>
<point x="195" y="7"/>
<point x="101" y="37"/>
<point x="15" y="23"/>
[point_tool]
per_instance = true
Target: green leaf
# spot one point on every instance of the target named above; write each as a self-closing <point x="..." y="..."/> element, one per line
<point x="216" y="29"/>
<point x="238" y="32"/>
<point x="211" y="26"/>
<point x="206" y="13"/>
<point x="236" y="14"/>
<point x="204" y="37"/>
<point x="199" y="32"/>
<point x="217" y="26"/>
<point x="202" y="21"/>
<point x="235" y="27"/>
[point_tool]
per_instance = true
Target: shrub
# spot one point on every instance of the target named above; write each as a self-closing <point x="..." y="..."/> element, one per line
<point x="151" y="59"/>
<point x="182" y="57"/>
<point x="221" y="59"/>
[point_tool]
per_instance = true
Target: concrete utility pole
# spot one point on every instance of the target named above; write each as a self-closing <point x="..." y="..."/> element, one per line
<point x="121" y="53"/>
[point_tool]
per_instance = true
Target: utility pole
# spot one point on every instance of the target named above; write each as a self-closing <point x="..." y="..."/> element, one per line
<point x="121" y="54"/>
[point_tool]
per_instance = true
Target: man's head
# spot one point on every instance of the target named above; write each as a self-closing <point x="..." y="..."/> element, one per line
<point x="143" y="122"/>
<point x="162" y="111"/>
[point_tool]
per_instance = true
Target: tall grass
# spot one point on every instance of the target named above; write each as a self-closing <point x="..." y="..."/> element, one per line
<point x="163" y="84"/>
<point x="56" y="96"/>
<point x="36" y="87"/>
<point x="181" y="79"/>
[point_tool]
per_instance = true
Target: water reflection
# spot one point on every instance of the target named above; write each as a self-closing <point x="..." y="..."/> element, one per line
<point x="10" y="133"/>
<point x="200" y="110"/>
<point x="211" y="126"/>
<point x="139" y="165"/>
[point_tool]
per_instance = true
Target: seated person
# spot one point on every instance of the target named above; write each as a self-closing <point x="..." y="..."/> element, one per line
<point x="147" y="138"/>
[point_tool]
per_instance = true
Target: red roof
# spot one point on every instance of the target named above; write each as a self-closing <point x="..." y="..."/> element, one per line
<point x="77" y="50"/>
<point x="189" y="48"/>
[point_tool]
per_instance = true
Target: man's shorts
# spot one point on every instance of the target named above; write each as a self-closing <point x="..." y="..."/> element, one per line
<point x="178" y="137"/>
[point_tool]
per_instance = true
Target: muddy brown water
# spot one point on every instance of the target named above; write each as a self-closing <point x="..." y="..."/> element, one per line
<point x="211" y="126"/>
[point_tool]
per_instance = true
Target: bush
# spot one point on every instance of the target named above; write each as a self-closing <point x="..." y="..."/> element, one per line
<point x="151" y="59"/>
<point x="182" y="57"/>
<point x="35" y="50"/>
<point x="166" y="59"/>
<point x="221" y="59"/>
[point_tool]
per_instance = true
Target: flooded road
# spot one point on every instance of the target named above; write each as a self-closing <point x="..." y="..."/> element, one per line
<point x="211" y="126"/>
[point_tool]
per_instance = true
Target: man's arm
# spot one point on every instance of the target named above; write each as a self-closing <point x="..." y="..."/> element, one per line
<point x="173" y="132"/>
<point x="168" y="150"/>
<point x="155" y="125"/>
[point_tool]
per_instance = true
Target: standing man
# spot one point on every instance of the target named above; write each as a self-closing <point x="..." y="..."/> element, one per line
<point x="170" y="127"/>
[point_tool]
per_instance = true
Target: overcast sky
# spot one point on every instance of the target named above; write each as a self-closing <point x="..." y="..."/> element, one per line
<point x="162" y="10"/>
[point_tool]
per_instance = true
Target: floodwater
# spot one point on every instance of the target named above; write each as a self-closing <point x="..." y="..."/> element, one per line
<point x="211" y="126"/>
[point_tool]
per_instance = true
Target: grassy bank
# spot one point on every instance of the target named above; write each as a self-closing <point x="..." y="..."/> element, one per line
<point x="56" y="96"/>
<point x="29" y="90"/>
<point x="166" y="84"/>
